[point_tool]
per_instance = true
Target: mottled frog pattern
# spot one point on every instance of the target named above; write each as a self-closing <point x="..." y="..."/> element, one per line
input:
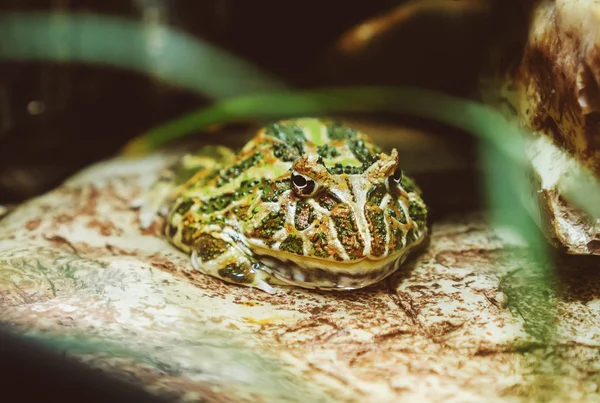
<point x="307" y="202"/>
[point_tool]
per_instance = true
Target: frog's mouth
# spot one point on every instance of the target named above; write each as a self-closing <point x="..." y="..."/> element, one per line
<point x="317" y="273"/>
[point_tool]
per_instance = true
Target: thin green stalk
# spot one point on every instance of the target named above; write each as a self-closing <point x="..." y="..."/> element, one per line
<point x="147" y="47"/>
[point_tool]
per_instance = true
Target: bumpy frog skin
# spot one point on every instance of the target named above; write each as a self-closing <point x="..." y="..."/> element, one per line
<point x="306" y="202"/>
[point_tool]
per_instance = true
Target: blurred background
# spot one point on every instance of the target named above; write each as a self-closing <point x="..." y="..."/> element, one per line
<point x="57" y="116"/>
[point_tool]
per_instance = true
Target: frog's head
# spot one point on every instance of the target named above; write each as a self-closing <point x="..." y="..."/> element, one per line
<point x="350" y="223"/>
<point x="311" y="178"/>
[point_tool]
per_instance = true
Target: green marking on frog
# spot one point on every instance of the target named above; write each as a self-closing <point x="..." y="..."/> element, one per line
<point x="244" y="220"/>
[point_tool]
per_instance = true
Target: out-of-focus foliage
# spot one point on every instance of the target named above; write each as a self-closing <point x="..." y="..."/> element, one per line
<point x="146" y="47"/>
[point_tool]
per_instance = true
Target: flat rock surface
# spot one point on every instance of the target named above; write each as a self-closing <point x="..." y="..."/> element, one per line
<point x="473" y="318"/>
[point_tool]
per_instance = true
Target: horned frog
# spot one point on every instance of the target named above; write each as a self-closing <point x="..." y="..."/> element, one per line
<point x="306" y="202"/>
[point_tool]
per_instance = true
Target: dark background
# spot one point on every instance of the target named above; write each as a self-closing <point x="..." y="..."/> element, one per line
<point x="91" y="111"/>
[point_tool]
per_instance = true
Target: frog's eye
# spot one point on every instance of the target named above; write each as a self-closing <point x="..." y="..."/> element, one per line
<point x="302" y="185"/>
<point x="397" y="175"/>
<point x="395" y="178"/>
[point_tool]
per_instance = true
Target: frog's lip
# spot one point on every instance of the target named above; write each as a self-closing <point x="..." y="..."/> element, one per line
<point x="312" y="272"/>
<point x="364" y="263"/>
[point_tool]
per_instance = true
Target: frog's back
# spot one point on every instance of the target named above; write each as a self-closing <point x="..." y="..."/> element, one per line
<point x="270" y="154"/>
<point x="329" y="141"/>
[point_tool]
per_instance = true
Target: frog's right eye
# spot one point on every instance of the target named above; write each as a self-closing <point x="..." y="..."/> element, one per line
<point x="302" y="185"/>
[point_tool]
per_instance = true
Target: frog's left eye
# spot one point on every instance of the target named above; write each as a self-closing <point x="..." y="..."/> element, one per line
<point x="302" y="185"/>
<point x="396" y="177"/>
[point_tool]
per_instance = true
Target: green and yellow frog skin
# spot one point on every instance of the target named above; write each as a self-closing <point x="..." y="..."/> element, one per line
<point x="307" y="202"/>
